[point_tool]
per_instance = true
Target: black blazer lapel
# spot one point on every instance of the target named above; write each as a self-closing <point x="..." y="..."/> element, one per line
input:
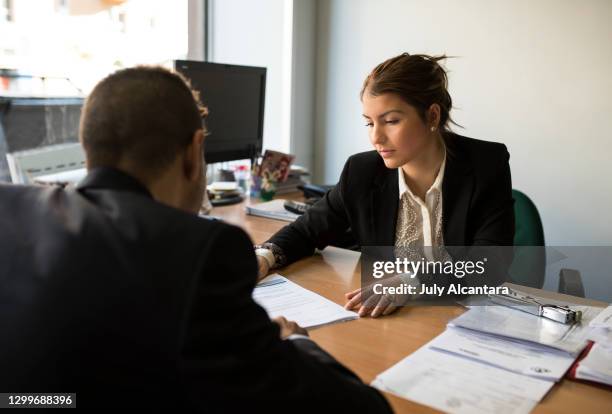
<point x="457" y="189"/>
<point x="384" y="202"/>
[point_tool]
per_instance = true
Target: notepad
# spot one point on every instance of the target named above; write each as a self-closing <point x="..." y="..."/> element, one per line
<point x="281" y="297"/>
<point x="274" y="209"/>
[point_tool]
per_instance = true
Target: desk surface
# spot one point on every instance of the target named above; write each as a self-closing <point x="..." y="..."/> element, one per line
<point x="370" y="346"/>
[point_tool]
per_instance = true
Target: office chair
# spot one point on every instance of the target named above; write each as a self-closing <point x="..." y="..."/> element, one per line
<point x="529" y="265"/>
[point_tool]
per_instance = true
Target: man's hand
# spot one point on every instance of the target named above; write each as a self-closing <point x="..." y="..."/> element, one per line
<point x="288" y="328"/>
<point x="264" y="268"/>
<point x="375" y="305"/>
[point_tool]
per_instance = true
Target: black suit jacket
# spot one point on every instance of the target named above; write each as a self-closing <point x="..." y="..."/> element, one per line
<point x="112" y="295"/>
<point x="477" y="202"/>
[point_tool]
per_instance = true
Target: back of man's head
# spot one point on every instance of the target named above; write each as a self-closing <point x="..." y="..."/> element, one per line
<point x="142" y="117"/>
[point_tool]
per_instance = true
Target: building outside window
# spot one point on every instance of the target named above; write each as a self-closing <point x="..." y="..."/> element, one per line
<point x="84" y="40"/>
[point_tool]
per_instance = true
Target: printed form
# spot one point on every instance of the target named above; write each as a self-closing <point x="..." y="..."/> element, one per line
<point x="281" y="297"/>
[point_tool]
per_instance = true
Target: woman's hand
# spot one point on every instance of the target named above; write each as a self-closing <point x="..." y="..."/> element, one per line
<point x="375" y="305"/>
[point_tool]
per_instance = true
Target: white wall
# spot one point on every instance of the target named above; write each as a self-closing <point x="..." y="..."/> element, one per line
<point x="302" y="81"/>
<point x="196" y="38"/>
<point x="279" y="35"/>
<point x="535" y="75"/>
<point x="247" y="32"/>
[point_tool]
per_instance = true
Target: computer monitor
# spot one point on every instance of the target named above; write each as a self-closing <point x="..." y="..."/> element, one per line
<point x="235" y="97"/>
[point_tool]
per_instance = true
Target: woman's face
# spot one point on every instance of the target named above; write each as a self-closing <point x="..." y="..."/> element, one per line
<point x="395" y="128"/>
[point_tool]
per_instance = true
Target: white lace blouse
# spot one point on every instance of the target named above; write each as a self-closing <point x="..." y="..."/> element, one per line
<point x="419" y="223"/>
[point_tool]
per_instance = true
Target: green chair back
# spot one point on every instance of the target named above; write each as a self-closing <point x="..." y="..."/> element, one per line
<point x="529" y="264"/>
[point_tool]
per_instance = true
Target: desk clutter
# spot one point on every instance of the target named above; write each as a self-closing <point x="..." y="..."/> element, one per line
<point x="461" y="370"/>
<point x="225" y="192"/>
<point x="273" y="173"/>
<point x="489" y="359"/>
<point x="499" y="359"/>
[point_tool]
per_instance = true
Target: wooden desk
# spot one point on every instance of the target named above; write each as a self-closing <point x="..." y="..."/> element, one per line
<point x="370" y="346"/>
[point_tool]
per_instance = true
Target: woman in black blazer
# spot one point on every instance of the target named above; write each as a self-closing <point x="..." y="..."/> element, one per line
<point x="455" y="191"/>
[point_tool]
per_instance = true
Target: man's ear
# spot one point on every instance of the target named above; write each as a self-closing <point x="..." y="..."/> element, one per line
<point x="193" y="164"/>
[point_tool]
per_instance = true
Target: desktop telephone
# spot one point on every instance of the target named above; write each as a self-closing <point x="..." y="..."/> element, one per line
<point x="312" y="190"/>
<point x="312" y="193"/>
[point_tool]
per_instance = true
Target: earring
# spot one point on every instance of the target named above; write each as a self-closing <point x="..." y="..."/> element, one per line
<point x="433" y="128"/>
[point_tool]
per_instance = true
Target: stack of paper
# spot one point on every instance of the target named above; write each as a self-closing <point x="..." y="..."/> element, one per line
<point x="603" y="320"/>
<point x="494" y="359"/>
<point x="281" y="297"/>
<point x="601" y="328"/>
<point x="516" y="356"/>
<point x="459" y="385"/>
<point x="514" y="324"/>
<point x="274" y="209"/>
<point x="596" y="363"/>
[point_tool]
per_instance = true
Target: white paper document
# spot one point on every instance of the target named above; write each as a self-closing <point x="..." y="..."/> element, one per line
<point x="512" y="323"/>
<point x="281" y="297"/>
<point x="597" y="365"/>
<point x="458" y="385"/>
<point x="601" y="336"/>
<point x="601" y="329"/>
<point x="603" y="320"/>
<point x="518" y="356"/>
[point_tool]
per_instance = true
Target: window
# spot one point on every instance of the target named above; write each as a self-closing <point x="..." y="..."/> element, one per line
<point x="84" y="40"/>
<point x="5" y="11"/>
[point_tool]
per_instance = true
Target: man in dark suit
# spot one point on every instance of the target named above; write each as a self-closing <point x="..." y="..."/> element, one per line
<point x="118" y="291"/>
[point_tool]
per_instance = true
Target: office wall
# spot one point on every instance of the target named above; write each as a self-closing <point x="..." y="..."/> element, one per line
<point x="245" y="32"/>
<point x="535" y="75"/>
<point x="279" y="35"/>
<point x="302" y="81"/>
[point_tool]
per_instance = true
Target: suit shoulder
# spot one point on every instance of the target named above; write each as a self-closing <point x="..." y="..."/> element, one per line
<point x="478" y="148"/>
<point x="21" y="200"/>
<point x="154" y="220"/>
<point x="218" y="229"/>
<point x="20" y="190"/>
<point x="365" y="159"/>
<point x="362" y="168"/>
<point x="486" y="158"/>
<point x="233" y="234"/>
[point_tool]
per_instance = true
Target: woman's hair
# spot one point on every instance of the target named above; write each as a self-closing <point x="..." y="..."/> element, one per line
<point x="418" y="79"/>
